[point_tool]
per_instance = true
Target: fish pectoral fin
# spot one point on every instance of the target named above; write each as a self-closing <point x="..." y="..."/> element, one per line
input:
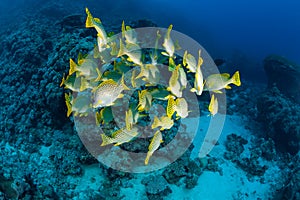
<point x="218" y="91"/>
<point x="193" y="90"/>
<point x="165" y="53"/>
<point x="120" y="96"/>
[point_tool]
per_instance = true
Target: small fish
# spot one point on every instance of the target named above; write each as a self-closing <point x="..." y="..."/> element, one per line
<point x="189" y="62"/>
<point x="87" y="68"/>
<point x="154" y="144"/>
<point x="150" y="73"/>
<point x="198" y="83"/>
<point x="213" y="105"/>
<point x="168" y="43"/>
<point x="133" y="52"/>
<point x="145" y="100"/>
<point x="129" y="34"/>
<point x="76" y="84"/>
<point x="80" y="106"/>
<point x="104" y="116"/>
<point x="174" y="82"/>
<point x="182" y="78"/>
<point x="181" y="107"/>
<point x="171" y="107"/>
<point x="216" y="82"/>
<point x="164" y="122"/>
<point x="119" y="137"/>
<point x="159" y="93"/>
<point x="107" y="92"/>
<point x="96" y="23"/>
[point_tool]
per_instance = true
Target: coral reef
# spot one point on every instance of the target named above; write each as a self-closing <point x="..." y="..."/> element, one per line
<point x="288" y="187"/>
<point x="284" y="74"/>
<point x="280" y="117"/>
<point x="252" y="164"/>
<point x="156" y="187"/>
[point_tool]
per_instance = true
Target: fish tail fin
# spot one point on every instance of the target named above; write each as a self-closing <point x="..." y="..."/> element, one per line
<point x="123" y="29"/>
<point x="68" y="104"/>
<point x="236" y="78"/>
<point x="142" y="73"/>
<point x="155" y="122"/>
<point x="122" y="49"/>
<point x="149" y="154"/>
<point x="73" y="67"/>
<point x="89" y="19"/>
<point x="123" y="83"/>
<point x="99" y="75"/>
<point x="84" y="84"/>
<point x="62" y="81"/>
<point x="105" y="140"/>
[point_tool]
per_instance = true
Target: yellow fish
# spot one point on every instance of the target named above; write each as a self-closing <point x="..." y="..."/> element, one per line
<point x="150" y="73"/>
<point x="119" y="137"/>
<point x="174" y="82"/>
<point x="145" y="100"/>
<point x="164" y="122"/>
<point x="80" y="106"/>
<point x="133" y="52"/>
<point x="87" y="68"/>
<point x="171" y="107"/>
<point x="216" y="82"/>
<point x="189" y="62"/>
<point x="168" y="43"/>
<point x="129" y="34"/>
<point x="181" y="107"/>
<point x="104" y="116"/>
<point x="76" y="84"/>
<point x="96" y="23"/>
<point x="159" y="93"/>
<point x="154" y="144"/>
<point x="198" y="83"/>
<point x="213" y="105"/>
<point x="107" y="92"/>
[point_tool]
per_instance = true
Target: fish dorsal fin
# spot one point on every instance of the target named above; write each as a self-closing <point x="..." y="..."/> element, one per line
<point x="225" y="75"/>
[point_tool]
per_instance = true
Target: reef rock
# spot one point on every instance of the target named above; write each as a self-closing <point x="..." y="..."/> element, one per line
<point x="280" y="117"/>
<point x="285" y="74"/>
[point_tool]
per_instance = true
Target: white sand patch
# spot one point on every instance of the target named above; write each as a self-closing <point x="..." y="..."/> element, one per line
<point x="233" y="184"/>
<point x="92" y="178"/>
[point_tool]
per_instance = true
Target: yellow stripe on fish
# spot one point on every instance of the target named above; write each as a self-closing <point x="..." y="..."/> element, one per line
<point x="164" y="122"/>
<point x="154" y="144"/>
<point x="213" y="105"/>
<point x="216" y="82"/>
<point x="171" y="106"/>
<point x="119" y="137"/>
<point x="145" y="100"/>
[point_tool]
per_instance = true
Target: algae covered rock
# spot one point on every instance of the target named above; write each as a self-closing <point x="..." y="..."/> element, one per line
<point x="280" y="117"/>
<point x="156" y="187"/>
<point x="285" y="74"/>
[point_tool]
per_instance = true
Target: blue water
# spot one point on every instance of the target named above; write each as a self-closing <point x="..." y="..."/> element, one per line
<point x="256" y="28"/>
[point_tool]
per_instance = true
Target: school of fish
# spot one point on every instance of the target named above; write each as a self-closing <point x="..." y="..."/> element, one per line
<point x="99" y="82"/>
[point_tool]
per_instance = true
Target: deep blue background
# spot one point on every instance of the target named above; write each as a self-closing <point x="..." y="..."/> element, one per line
<point x="241" y="31"/>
